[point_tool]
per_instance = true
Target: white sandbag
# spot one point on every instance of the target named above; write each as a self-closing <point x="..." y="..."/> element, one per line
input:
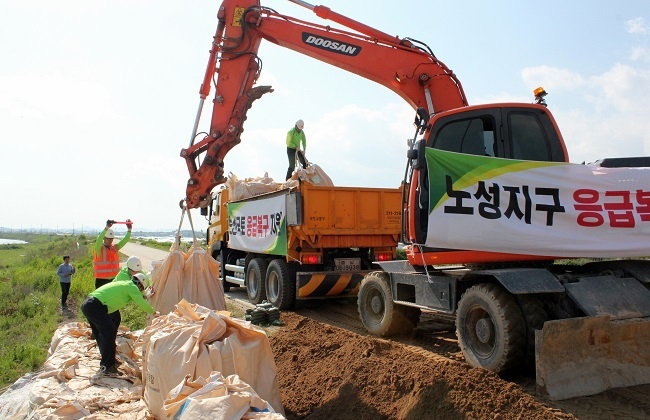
<point x="66" y="386"/>
<point x="217" y="397"/>
<point x="14" y="402"/>
<point x="201" y="282"/>
<point x="196" y="341"/>
<point x="314" y="174"/>
<point x="193" y="276"/>
<point x="249" y="187"/>
<point x="167" y="280"/>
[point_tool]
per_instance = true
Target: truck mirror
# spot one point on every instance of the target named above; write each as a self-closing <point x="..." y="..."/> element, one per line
<point x="411" y="154"/>
<point x="417" y="154"/>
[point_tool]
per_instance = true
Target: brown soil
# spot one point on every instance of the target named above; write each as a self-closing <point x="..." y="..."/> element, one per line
<point x="330" y="373"/>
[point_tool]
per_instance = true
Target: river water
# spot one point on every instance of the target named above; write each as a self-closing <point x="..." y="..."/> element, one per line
<point x="11" y="241"/>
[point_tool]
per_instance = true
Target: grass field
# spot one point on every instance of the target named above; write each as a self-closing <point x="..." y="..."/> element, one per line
<point x="30" y="293"/>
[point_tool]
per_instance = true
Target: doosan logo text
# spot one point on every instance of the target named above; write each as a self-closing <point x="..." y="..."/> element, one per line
<point x="330" y="44"/>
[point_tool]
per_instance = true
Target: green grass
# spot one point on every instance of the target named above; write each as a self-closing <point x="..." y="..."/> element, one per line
<point x="30" y="296"/>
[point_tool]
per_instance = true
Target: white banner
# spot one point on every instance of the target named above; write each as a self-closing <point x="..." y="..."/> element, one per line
<point x="537" y="208"/>
<point x="258" y="225"/>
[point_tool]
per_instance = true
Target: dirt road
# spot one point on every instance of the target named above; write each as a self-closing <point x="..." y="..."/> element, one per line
<point x="147" y="255"/>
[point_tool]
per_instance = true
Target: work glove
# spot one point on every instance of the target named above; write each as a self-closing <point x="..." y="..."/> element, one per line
<point x="129" y="224"/>
<point x="109" y="223"/>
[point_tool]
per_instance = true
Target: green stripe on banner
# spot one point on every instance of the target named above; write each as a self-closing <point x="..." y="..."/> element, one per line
<point x="465" y="170"/>
<point x="279" y="246"/>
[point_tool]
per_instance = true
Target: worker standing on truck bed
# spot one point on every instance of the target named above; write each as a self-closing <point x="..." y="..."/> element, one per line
<point x="296" y="137"/>
<point x="102" y="303"/>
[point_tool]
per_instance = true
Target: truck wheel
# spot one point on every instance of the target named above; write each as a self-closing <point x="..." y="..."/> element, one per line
<point x="379" y="314"/>
<point x="280" y="285"/>
<point x="490" y="328"/>
<point x="255" y="284"/>
<point x="535" y="316"/>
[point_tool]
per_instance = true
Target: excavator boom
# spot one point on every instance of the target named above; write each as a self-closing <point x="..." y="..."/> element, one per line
<point x="405" y="66"/>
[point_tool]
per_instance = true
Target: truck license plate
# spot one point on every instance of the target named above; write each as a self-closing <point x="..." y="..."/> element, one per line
<point x="347" y="264"/>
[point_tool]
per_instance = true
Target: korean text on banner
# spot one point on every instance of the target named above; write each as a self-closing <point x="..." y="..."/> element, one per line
<point x="259" y="225"/>
<point x="537" y="208"/>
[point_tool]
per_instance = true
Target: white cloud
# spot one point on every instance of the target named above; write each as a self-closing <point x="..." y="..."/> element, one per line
<point x="610" y="118"/>
<point x="552" y="78"/>
<point x="70" y="95"/>
<point x="637" y="26"/>
<point x="640" y="54"/>
<point x="626" y="88"/>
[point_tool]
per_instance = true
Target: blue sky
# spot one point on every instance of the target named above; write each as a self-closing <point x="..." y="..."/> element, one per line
<point x="98" y="98"/>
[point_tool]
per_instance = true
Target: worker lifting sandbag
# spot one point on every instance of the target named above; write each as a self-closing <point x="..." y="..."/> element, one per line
<point x="192" y="275"/>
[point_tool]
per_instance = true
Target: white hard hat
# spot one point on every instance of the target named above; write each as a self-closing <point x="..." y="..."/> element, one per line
<point x="300" y="124"/>
<point x="109" y="234"/>
<point x="142" y="279"/>
<point x="134" y="264"/>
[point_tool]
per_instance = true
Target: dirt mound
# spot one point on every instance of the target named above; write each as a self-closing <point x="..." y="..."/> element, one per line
<point x="327" y="372"/>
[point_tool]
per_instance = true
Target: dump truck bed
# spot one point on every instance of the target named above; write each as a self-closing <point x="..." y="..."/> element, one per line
<point x="341" y="217"/>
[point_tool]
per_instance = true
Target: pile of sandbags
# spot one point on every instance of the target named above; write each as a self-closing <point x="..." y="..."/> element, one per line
<point x="67" y="387"/>
<point x="198" y="362"/>
<point x="250" y="187"/>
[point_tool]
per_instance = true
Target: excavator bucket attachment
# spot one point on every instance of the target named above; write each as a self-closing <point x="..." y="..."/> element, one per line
<point x="584" y="356"/>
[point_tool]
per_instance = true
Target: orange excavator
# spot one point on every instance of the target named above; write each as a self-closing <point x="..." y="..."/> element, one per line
<point x="472" y="173"/>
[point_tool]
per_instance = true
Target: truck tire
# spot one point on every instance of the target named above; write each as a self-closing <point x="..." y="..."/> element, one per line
<point x="255" y="280"/>
<point x="280" y="285"/>
<point x="379" y="314"/>
<point x="535" y="315"/>
<point x="490" y="328"/>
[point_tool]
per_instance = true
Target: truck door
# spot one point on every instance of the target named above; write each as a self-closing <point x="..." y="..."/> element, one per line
<point x="530" y="134"/>
<point x="471" y="132"/>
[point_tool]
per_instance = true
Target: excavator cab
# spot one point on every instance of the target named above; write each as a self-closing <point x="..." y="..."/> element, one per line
<point x="509" y="131"/>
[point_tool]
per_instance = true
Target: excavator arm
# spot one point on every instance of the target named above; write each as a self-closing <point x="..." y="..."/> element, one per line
<point x="405" y="66"/>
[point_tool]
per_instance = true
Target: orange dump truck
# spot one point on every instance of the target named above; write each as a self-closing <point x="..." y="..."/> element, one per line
<point x="306" y="242"/>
